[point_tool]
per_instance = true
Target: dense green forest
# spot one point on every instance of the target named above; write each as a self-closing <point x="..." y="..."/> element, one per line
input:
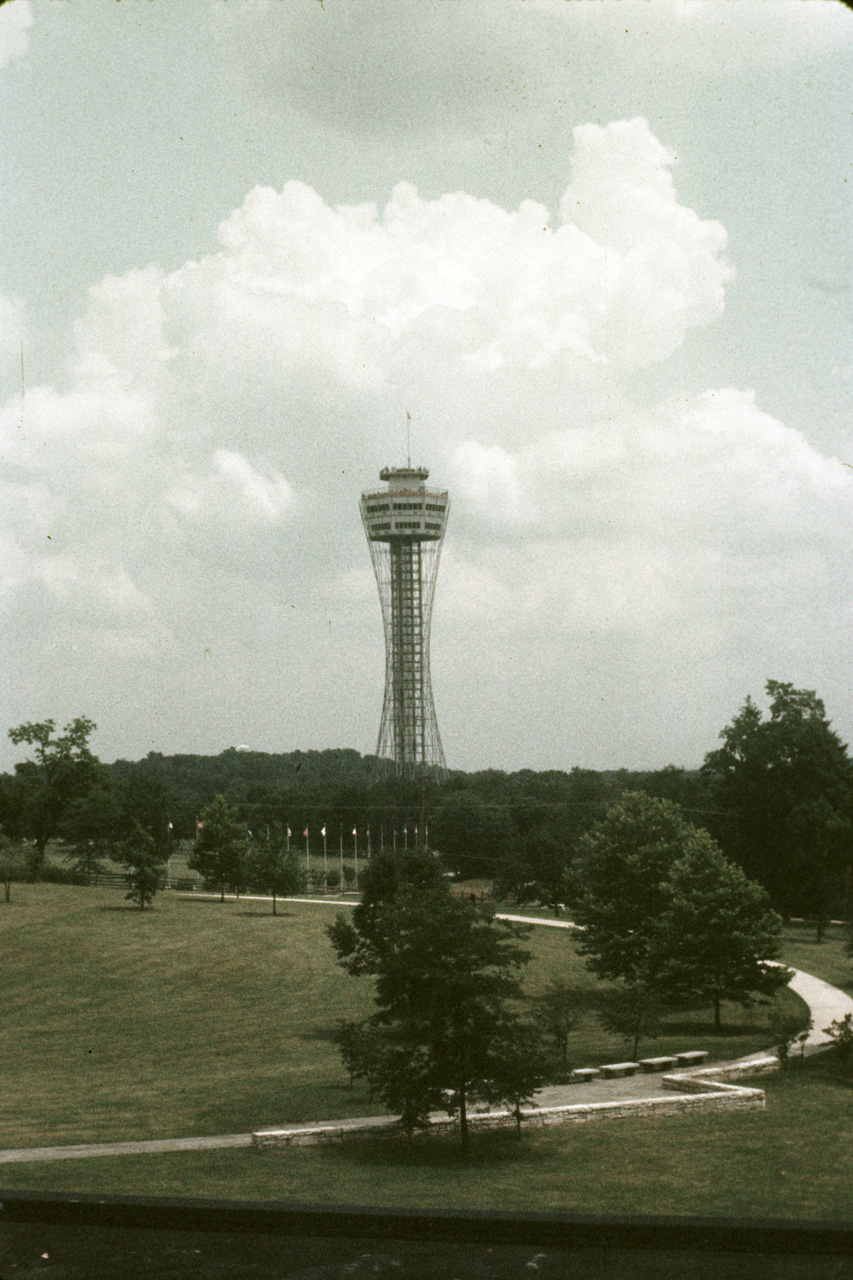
<point x="777" y="796"/>
<point x="473" y="818"/>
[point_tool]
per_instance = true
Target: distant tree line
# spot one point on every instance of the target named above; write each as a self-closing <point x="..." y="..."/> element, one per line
<point x="777" y="797"/>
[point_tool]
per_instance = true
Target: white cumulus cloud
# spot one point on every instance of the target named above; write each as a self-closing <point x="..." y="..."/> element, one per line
<point x="194" y="488"/>
<point x="16" y="18"/>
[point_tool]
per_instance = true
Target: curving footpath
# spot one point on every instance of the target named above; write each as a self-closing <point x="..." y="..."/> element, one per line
<point x="826" y="1004"/>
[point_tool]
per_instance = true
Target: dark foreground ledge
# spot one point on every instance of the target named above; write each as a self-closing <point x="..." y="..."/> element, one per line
<point x="543" y="1230"/>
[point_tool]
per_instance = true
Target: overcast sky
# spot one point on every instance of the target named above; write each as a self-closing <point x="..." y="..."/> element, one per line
<point x="600" y="251"/>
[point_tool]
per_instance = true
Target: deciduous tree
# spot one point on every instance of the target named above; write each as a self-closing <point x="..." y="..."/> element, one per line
<point x="666" y="913"/>
<point x="621" y="872"/>
<point x="445" y="973"/>
<point x="38" y="796"/>
<point x="558" y="1010"/>
<point x="633" y="1010"/>
<point x="143" y="865"/>
<point x="220" y="849"/>
<point x="473" y="834"/>
<point x="272" y="868"/>
<point x="717" y="937"/>
<point x="786" y="786"/>
<point x="12" y="864"/>
<point x="535" y="870"/>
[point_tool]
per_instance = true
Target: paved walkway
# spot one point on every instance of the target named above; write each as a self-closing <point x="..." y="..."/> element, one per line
<point x="825" y="1002"/>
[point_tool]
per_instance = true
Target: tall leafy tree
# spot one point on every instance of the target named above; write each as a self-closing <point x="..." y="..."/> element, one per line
<point x="91" y="825"/>
<point x="446" y="972"/>
<point x="472" y="833"/>
<point x="633" y="1010"/>
<point x="220" y="850"/>
<point x="535" y="870"/>
<point x="621" y="872"/>
<point x="717" y="937"/>
<point x="558" y="1009"/>
<point x="786" y="786"/>
<point x="143" y="796"/>
<point x="62" y="768"/>
<point x="666" y="913"/>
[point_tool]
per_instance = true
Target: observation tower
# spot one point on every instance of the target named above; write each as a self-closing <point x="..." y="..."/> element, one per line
<point x="405" y="526"/>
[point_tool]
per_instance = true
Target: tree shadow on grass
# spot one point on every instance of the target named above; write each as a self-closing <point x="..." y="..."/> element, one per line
<point x="121" y="906"/>
<point x="326" y="1034"/>
<point x="435" y="1152"/>
<point x="692" y="1030"/>
<point x="267" y="915"/>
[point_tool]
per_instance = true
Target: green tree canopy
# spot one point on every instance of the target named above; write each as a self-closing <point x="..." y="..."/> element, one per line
<point x="272" y="868"/>
<point x="12" y="864"/>
<point x="472" y="833"/>
<point x="537" y="870"/>
<point x="220" y="850"/>
<point x="143" y="865"/>
<point x="445" y="971"/>
<point x="620" y="873"/>
<point x="786" y="784"/>
<point x="37" y="798"/>
<point x="666" y="913"/>
<point x="718" y="936"/>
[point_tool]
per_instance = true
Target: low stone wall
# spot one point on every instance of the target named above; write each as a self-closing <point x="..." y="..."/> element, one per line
<point x="691" y="1094"/>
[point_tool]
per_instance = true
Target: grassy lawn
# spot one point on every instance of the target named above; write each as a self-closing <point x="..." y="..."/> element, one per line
<point x="826" y="959"/>
<point x="203" y="1018"/>
<point x="794" y="1160"/>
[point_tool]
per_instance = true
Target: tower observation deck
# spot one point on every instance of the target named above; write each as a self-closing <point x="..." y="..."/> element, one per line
<point x="405" y="526"/>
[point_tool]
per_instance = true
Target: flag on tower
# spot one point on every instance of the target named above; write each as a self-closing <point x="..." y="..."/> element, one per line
<point x="322" y="831"/>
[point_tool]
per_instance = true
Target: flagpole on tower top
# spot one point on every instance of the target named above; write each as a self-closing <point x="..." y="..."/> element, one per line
<point x="408" y="439"/>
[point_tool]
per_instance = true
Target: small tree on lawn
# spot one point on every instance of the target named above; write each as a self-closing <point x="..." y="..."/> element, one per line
<point x="272" y="868"/>
<point x="360" y="1047"/>
<point x="717" y="936"/>
<point x="143" y="867"/>
<point x="13" y="865"/>
<point x="220" y="850"/>
<point x="557" y="1011"/>
<point x="90" y="826"/>
<point x="840" y="1032"/>
<point x="520" y="1067"/>
<point x="785" y="1030"/>
<point x="634" y="1011"/>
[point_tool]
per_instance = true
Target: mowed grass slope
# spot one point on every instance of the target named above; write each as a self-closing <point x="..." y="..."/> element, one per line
<point x="200" y="1017"/>
<point x="192" y="1018"/>
<point x="794" y="1160"/>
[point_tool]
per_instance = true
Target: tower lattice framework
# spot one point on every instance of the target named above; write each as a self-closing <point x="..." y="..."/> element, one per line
<point x="405" y="526"/>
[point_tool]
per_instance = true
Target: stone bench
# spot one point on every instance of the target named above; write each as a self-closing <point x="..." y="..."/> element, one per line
<point x="694" y="1058"/>
<point x="614" y="1069"/>
<point x="585" y="1075"/>
<point x="658" y="1064"/>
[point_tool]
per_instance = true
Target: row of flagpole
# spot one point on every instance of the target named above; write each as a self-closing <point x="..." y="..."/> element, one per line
<point x="306" y="834"/>
<point x="323" y="832"/>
